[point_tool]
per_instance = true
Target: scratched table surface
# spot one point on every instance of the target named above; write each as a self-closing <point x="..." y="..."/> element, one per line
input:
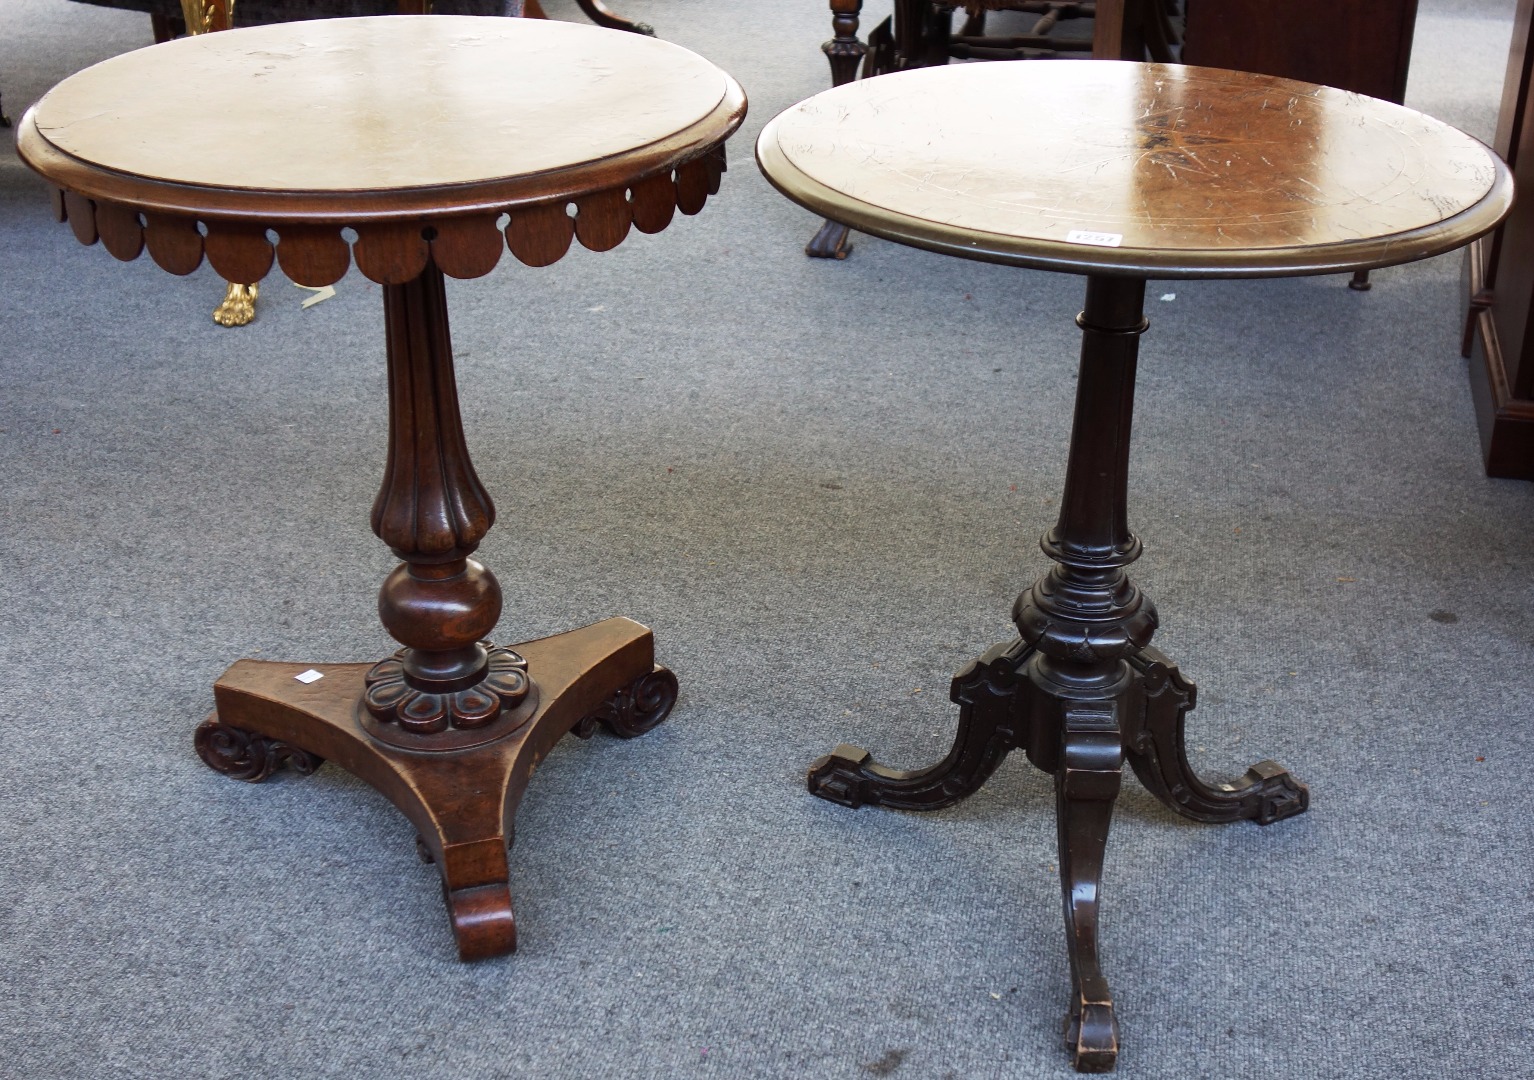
<point x="417" y="133"/>
<point x="1095" y="166"/>
<point x="381" y="103"/>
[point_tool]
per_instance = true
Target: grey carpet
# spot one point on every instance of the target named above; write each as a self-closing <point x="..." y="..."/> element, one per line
<point x="822" y="484"/>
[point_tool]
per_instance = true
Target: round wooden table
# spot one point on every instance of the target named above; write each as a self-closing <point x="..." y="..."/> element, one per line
<point x="439" y="142"/>
<point x="1121" y="172"/>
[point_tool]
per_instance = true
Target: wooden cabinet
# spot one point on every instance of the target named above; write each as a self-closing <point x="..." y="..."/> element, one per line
<point x="1500" y="285"/>
<point x="1361" y="45"/>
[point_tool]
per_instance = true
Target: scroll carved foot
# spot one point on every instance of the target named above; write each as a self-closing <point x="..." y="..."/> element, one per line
<point x="1157" y="750"/>
<point x="483" y="922"/>
<point x="244" y="755"/>
<point x="462" y="800"/>
<point x="635" y="709"/>
<point x="991" y="720"/>
<point x="831" y="242"/>
<point x="1086" y="784"/>
<point x="239" y="305"/>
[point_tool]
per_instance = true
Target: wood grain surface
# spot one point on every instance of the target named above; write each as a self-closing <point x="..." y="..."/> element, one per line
<point x="380" y="103"/>
<point x="1101" y="166"/>
<point x="430" y="137"/>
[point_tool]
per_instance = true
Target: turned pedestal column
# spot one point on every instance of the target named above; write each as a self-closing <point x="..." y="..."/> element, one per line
<point x="443" y="143"/>
<point x="1121" y="172"/>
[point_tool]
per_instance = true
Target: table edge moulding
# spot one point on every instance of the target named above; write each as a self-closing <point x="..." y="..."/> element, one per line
<point x="451" y="726"/>
<point x="456" y="223"/>
<point x="1231" y="260"/>
<point x="1080" y="689"/>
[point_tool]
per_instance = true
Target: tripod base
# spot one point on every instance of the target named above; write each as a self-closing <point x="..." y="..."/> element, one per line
<point x="1009" y="700"/>
<point x="463" y="802"/>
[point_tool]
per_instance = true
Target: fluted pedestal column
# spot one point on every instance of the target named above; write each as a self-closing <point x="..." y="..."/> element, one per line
<point x="451" y="726"/>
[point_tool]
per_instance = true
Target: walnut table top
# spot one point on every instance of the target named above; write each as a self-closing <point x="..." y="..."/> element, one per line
<point x="1100" y="166"/>
<point x="410" y="145"/>
<point x="382" y="124"/>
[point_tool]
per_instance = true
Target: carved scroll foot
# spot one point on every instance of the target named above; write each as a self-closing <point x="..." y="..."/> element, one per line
<point x="239" y="305"/>
<point x="244" y="755"/>
<point x="831" y="242"/>
<point x="1156" y="748"/>
<point x="1086" y="784"/>
<point x="483" y="922"/>
<point x="635" y="709"/>
<point x="990" y="720"/>
<point x="462" y="801"/>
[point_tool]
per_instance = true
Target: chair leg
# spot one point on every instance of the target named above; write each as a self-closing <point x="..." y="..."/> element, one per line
<point x="598" y="13"/>
<point x="164" y="28"/>
<point x="844" y="52"/>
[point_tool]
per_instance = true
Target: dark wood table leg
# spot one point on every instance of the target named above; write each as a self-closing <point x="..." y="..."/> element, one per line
<point x="450" y="727"/>
<point x="1080" y="689"/>
<point x="599" y="13"/>
<point x="845" y="53"/>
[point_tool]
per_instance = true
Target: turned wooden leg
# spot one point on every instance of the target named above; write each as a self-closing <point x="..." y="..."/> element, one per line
<point x="451" y="726"/>
<point x="1084" y="617"/>
<point x="1360" y="281"/>
<point x="1086" y="783"/>
<point x="433" y="512"/>
<point x="845" y="52"/>
<point x="936" y="31"/>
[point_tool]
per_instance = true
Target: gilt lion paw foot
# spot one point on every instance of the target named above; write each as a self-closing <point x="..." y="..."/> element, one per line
<point x="239" y="306"/>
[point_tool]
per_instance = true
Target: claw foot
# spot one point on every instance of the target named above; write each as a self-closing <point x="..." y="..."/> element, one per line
<point x="239" y="306"/>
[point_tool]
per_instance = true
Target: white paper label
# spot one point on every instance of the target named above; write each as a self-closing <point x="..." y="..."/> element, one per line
<point x="309" y="676"/>
<point x="1099" y="239"/>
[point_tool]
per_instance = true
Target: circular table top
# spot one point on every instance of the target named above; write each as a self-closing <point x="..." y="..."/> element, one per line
<point x="1097" y="166"/>
<point x="395" y="119"/>
<point x="378" y="103"/>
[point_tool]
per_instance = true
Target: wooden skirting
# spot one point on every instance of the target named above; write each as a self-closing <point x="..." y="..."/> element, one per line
<point x="1506" y="422"/>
